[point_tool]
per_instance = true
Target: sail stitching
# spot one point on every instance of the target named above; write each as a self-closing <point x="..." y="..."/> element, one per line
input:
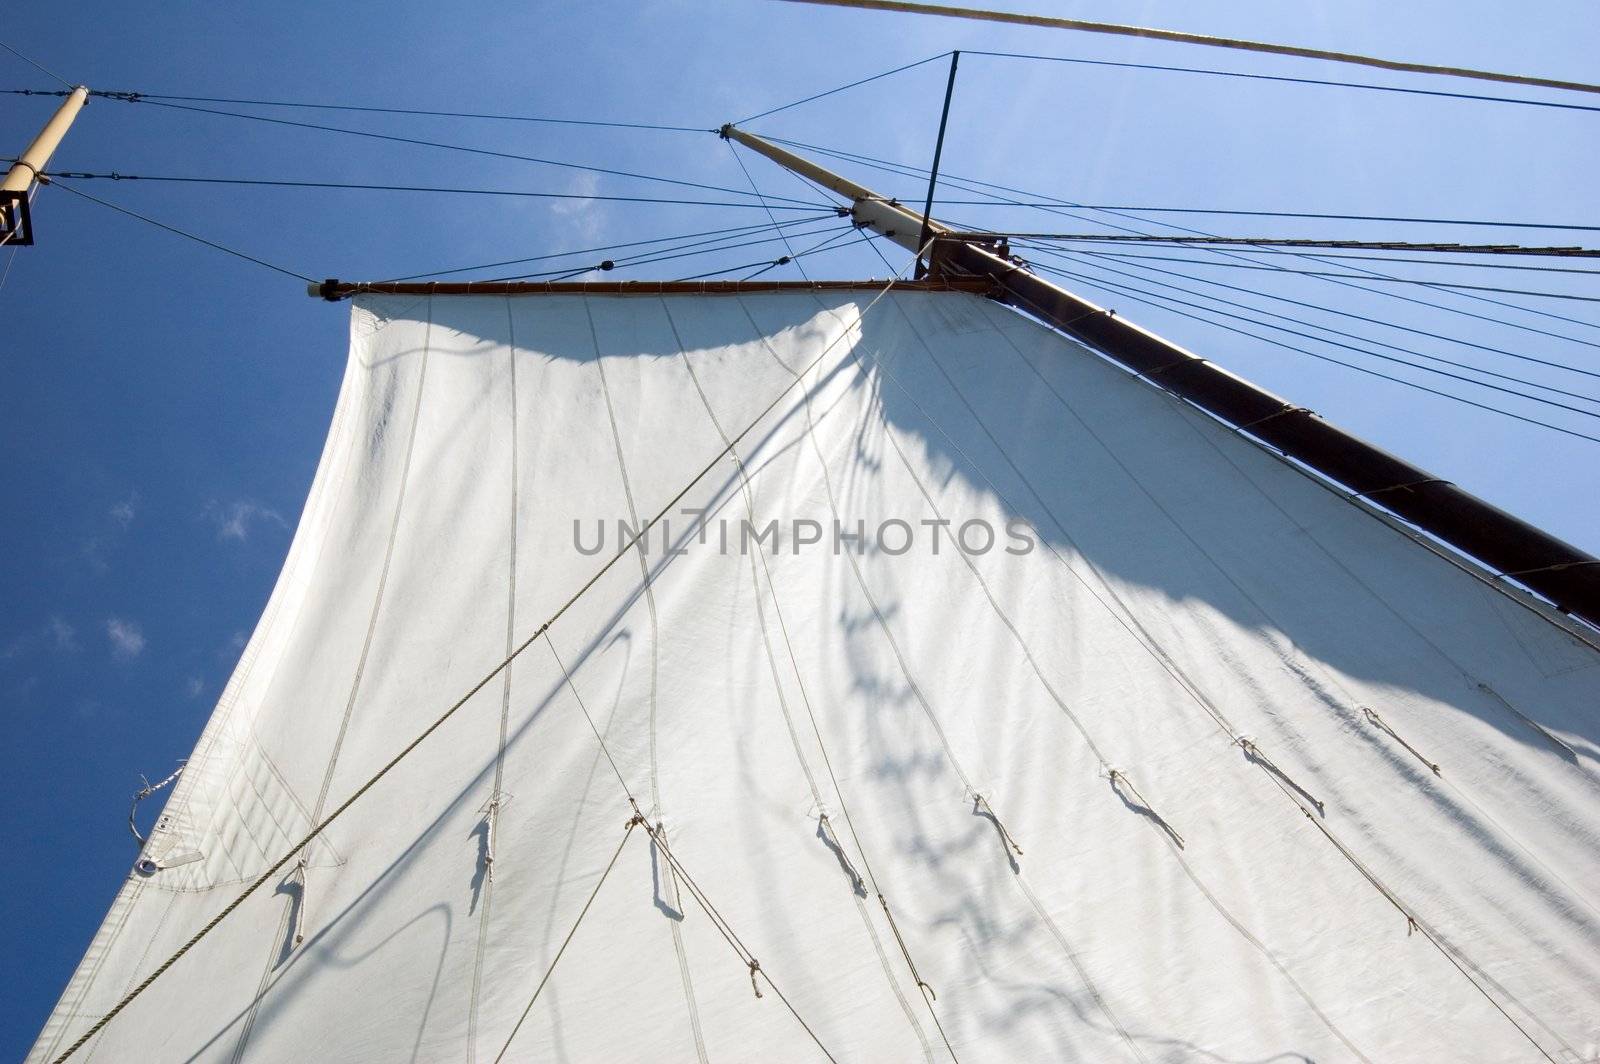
<point x="1151" y="646"/>
<point x="978" y="799"/>
<point x="298" y="908"/>
<point x="372" y="781"/>
<point x="858" y="886"/>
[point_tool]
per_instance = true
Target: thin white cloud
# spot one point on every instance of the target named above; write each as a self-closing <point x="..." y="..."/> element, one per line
<point x="584" y="218"/>
<point x="124" y="512"/>
<point x="127" y="641"/>
<point x="193" y="686"/>
<point x="62" y="635"/>
<point x="235" y="520"/>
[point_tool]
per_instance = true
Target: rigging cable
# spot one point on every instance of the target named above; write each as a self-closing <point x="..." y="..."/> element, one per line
<point x="1301" y="242"/>
<point x="841" y="88"/>
<point x="1344" y="314"/>
<point x="1359" y="350"/>
<point x="135" y="97"/>
<point x="1112" y="208"/>
<point x="1175" y="36"/>
<point x="39" y="67"/>
<point x="664" y="255"/>
<point x="739" y="229"/>
<point x="449" y="147"/>
<point x="187" y="235"/>
<point x="113" y="175"/>
<point x="1293" y="80"/>
<point x="1108" y="286"/>
<point x="782" y="260"/>
<point x="623" y="551"/>
<point x="982" y="186"/>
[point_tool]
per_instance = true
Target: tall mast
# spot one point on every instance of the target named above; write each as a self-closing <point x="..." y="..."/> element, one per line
<point x="31" y="163"/>
<point x="1512" y="548"/>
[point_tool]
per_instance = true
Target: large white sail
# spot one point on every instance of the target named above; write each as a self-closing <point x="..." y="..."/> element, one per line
<point x="1153" y="747"/>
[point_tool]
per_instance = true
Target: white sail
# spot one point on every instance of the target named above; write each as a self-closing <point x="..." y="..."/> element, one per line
<point x="1154" y="747"/>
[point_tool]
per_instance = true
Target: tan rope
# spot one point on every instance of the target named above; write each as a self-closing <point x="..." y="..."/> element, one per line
<point x="627" y="833"/>
<point x="1383" y="725"/>
<point x="1206" y="40"/>
<point x="322" y="825"/>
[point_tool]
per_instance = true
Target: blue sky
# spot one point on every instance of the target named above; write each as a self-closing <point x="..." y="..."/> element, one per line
<point x="162" y="406"/>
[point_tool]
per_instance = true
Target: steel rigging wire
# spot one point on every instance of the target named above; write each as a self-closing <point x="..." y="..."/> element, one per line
<point x="454" y="147"/>
<point x="982" y="188"/>
<point x="1159" y="303"/>
<point x="114" y="175"/>
<point x="1373" y="354"/>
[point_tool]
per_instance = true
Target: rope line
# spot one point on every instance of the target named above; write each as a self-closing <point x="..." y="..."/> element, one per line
<point x="627" y="833"/>
<point x="1292" y="791"/>
<point x="41" y="68"/>
<point x="1122" y="290"/>
<point x="1315" y="216"/>
<point x="405" y="751"/>
<point x="738" y="229"/>
<point x="726" y="929"/>
<point x="1238" y="44"/>
<point x="1383" y="725"/>
<point x="1359" y="350"/>
<point x="1299" y="242"/>
<point x="137" y="97"/>
<point x="841" y="88"/>
<point x="113" y="175"/>
<point x="186" y="235"/>
<point x="1349" y="314"/>
<point x="983" y="188"/>
<point x="451" y="147"/>
<point x="1295" y="81"/>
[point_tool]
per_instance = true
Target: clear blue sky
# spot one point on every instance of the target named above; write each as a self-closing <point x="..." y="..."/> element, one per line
<point x="162" y="406"/>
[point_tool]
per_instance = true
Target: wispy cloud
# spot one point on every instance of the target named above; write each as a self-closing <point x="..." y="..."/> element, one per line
<point x="62" y="635"/>
<point x="127" y="641"/>
<point x="583" y="219"/>
<point x="193" y="686"/>
<point x="236" y="520"/>
<point x="124" y="512"/>
<point x="56" y="635"/>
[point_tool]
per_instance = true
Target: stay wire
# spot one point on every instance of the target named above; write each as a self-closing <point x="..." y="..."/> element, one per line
<point x="1518" y="266"/>
<point x="39" y="66"/>
<point x="450" y="147"/>
<point x="604" y="247"/>
<point x="664" y="256"/>
<point x="1313" y="215"/>
<point x="1117" y="289"/>
<point x="782" y="260"/>
<point x="1353" y="348"/>
<point x="1340" y="313"/>
<point x="322" y="825"/>
<point x="1290" y="80"/>
<point x="136" y="97"/>
<point x="1301" y="242"/>
<point x="113" y="175"/>
<point x="550" y="970"/>
<point x="1207" y="40"/>
<point x="982" y="187"/>
<point x="186" y="235"/>
<point x="841" y="88"/>
<point x="734" y="151"/>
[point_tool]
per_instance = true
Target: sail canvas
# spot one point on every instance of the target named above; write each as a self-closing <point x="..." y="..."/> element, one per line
<point x="944" y="690"/>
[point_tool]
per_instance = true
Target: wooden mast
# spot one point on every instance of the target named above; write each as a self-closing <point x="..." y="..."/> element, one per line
<point x="1512" y="548"/>
<point x="31" y="163"/>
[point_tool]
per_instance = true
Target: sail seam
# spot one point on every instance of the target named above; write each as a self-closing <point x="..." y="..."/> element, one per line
<point x="491" y="814"/>
<point x="355" y="686"/>
<point x="655" y="648"/>
<point x="858" y="888"/>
